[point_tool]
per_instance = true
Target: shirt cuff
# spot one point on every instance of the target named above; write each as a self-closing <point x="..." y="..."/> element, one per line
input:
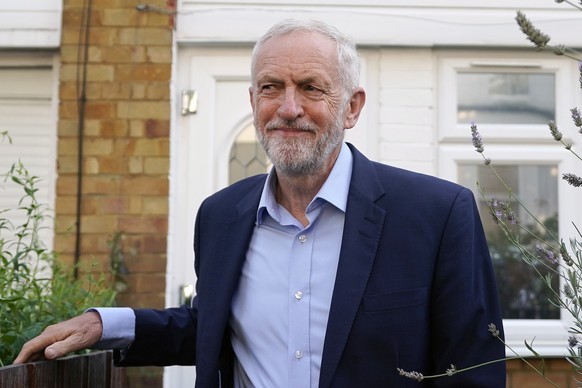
<point x="118" y="327"/>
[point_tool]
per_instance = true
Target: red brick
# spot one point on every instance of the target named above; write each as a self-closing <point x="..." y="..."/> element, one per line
<point x="101" y="185"/>
<point x="145" y="185"/>
<point x="68" y="110"/>
<point x="144" y="225"/>
<point x="103" y="36"/>
<point x="157" y="128"/>
<point x="113" y="205"/>
<point x="534" y="380"/>
<point x="113" y="128"/>
<point x="113" y="165"/>
<point x="146" y="264"/>
<point x="151" y="283"/>
<point x="68" y="90"/>
<point x="66" y="185"/>
<point x="119" y="17"/>
<point x="100" y="110"/>
<point x="118" y="54"/>
<point x="144" y="72"/>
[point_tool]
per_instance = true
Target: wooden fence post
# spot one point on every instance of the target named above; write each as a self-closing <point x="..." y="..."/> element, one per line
<point x="92" y="370"/>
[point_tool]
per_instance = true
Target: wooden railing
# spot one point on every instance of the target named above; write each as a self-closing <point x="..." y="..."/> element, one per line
<point x="93" y="370"/>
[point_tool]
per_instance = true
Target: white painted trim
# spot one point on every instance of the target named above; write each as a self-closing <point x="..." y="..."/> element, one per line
<point x="418" y="23"/>
<point x="449" y="62"/>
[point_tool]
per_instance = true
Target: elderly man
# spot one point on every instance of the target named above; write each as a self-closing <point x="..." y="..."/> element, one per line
<point x="330" y="271"/>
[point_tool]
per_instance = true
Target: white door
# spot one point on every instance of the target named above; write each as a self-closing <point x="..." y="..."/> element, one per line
<point x="201" y="149"/>
<point x="201" y="143"/>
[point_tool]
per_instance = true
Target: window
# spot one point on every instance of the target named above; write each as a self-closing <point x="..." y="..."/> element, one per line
<point x="511" y="100"/>
<point x="522" y="293"/>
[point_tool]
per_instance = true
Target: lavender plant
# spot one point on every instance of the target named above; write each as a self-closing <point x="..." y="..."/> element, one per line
<point x="550" y="257"/>
<point x="552" y="254"/>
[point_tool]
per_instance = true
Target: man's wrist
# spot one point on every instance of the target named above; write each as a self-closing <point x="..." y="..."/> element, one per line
<point x="118" y="327"/>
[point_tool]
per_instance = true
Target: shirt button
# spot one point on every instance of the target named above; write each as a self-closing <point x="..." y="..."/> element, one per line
<point x="298" y="295"/>
<point x="302" y="238"/>
<point x="298" y="354"/>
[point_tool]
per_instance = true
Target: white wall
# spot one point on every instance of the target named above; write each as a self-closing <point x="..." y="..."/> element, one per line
<point x="383" y="22"/>
<point x="30" y="23"/>
<point x="407" y="109"/>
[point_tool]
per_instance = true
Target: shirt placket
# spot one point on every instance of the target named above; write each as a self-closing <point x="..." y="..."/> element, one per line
<point x="299" y="354"/>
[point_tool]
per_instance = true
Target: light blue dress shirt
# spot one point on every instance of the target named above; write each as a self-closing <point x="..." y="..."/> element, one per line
<point x="280" y="309"/>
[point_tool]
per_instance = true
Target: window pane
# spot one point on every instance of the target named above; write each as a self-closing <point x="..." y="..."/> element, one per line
<point x="505" y="98"/>
<point x="522" y="293"/>
<point x="247" y="156"/>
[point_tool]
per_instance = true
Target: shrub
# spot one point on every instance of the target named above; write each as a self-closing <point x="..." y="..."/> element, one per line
<point x="35" y="289"/>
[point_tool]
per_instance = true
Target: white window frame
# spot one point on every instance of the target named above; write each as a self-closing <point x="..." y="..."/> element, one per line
<point x="565" y="73"/>
<point x="516" y="144"/>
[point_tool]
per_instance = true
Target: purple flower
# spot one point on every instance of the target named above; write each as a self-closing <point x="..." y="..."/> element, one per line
<point x="477" y="140"/>
<point x="492" y="328"/>
<point x="577" y="118"/>
<point x="555" y="131"/>
<point x="547" y="254"/>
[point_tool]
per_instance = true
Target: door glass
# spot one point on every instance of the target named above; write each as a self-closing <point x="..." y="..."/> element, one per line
<point x="247" y="156"/>
<point x="505" y="98"/>
<point x="522" y="292"/>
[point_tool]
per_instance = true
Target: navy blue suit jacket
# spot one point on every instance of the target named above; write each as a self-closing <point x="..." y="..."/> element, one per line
<point x="414" y="287"/>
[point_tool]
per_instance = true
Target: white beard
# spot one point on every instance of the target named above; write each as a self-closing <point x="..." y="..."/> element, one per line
<point x="298" y="156"/>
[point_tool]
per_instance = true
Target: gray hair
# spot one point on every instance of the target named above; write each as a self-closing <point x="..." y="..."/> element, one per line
<point x="348" y="62"/>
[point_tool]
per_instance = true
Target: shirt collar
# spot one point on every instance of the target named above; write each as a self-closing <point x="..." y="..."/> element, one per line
<point x="334" y="190"/>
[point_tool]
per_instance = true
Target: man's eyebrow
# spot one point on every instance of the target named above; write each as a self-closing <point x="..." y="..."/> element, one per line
<point x="268" y="78"/>
<point x="308" y="80"/>
<point x="314" y="80"/>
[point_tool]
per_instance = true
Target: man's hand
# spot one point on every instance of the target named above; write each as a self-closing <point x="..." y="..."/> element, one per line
<point x="56" y="341"/>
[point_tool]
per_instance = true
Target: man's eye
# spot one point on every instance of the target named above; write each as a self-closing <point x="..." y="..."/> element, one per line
<point x="267" y="89"/>
<point x="312" y="91"/>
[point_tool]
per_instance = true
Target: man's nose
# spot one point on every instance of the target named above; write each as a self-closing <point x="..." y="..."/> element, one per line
<point x="291" y="106"/>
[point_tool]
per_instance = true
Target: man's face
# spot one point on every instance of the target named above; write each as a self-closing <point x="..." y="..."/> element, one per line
<point x="299" y="110"/>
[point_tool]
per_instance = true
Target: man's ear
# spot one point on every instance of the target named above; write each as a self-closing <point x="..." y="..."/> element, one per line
<point x="355" y="108"/>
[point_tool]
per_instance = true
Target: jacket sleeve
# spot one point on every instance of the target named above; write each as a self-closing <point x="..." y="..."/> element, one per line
<point x="162" y="338"/>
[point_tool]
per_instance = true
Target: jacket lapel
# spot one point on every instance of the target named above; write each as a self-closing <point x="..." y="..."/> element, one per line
<point x="363" y="226"/>
<point x="221" y="280"/>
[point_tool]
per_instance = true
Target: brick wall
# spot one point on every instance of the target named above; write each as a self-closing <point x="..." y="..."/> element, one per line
<point x="558" y="370"/>
<point x="125" y="142"/>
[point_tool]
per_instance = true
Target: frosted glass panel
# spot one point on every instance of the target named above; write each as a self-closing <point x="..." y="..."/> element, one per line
<point x="505" y="98"/>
